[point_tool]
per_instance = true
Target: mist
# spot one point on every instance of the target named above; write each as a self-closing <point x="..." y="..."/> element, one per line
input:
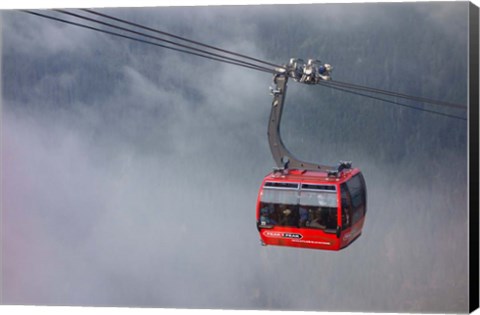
<point x="130" y="173"/>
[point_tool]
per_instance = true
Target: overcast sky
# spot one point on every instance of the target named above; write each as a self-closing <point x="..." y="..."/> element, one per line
<point x="130" y="173"/>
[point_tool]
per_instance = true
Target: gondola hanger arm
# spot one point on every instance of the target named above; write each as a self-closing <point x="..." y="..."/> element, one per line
<point x="311" y="72"/>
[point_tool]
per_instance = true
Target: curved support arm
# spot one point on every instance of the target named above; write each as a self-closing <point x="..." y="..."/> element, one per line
<point x="284" y="159"/>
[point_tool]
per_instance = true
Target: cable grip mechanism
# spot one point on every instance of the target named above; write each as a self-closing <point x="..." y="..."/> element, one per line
<point x="311" y="72"/>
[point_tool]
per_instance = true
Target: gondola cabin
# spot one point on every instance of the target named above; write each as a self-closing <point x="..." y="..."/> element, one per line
<point x="311" y="209"/>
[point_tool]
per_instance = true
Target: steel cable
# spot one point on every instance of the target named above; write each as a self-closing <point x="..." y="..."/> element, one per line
<point x="181" y="38"/>
<point x="159" y="39"/>
<point x="380" y="91"/>
<point x="150" y="43"/>
<point x="336" y="85"/>
<point x="393" y="102"/>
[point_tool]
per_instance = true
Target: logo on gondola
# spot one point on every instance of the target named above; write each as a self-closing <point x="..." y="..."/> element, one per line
<point x="282" y="235"/>
<point x="292" y="235"/>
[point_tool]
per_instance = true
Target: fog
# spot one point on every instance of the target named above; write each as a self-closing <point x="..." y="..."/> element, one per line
<point x="130" y="173"/>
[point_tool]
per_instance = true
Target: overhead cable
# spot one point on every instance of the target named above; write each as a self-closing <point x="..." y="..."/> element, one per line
<point x="393" y="102"/>
<point x="400" y="95"/>
<point x="337" y="85"/>
<point x="150" y="43"/>
<point x="158" y="38"/>
<point x="181" y="38"/>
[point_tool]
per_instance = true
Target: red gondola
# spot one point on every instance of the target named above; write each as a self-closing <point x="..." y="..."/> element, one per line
<point x="302" y="204"/>
<point x="311" y="209"/>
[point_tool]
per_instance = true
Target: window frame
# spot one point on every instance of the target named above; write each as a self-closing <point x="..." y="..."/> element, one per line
<point x="298" y="189"/>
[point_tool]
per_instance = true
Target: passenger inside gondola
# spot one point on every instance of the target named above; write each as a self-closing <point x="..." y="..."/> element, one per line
<point x="266" y="215"/>
<point x="288" y="218"/>
<point x="323" y="218"/>
<point x="303" y="212"/>
<point x="318" y="220"/>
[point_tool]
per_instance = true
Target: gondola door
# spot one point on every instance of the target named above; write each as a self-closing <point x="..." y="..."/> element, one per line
<point x="353" y="208"/>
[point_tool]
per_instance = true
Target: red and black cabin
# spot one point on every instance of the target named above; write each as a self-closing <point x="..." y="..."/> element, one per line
<point x="311" y="209"/>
